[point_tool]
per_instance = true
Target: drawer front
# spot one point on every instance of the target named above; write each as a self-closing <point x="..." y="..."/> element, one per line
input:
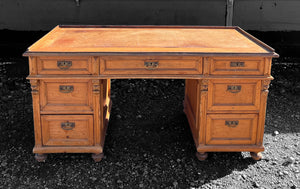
<point x="68" y="95"/>
<point x="64" y="65"/>
<point x="237" y="66"/>
<point x="231" y="129"/>
<point x="234" y="94"/>
<point x="67" y="130"/>
<point x="150" y="65"/>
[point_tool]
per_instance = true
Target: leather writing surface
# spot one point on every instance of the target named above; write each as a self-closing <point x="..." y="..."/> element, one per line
<point x="202" y="40"/>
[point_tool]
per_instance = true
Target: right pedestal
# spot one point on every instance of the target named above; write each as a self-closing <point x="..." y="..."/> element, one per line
<point x="226" y="109"/>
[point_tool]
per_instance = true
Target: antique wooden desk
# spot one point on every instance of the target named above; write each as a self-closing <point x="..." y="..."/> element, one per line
<point x="227" y="74"/>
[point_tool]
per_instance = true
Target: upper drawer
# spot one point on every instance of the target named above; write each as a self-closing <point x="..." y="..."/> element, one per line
<point x="234" y="94"/>
<point x="137" y="65"/>
<point x="66" y="96"/>
<point x="237" y="66"/>
<point x="64" y="65"/>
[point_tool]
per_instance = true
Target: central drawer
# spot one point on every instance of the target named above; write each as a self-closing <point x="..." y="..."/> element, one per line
<point x="66" y="130"/>
<point x="137" y="65"/>
<point x="66" y="95"/>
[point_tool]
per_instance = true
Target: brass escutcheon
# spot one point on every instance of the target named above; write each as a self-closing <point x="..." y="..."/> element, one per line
<point x="234" y="88"/>
<point x="237" y="64"/>
<point x="66" y="88"/>
<point x="63" y="64"/>
<point x="151" y="65"/>
<point x="232" y="123"/>
<point x="67" y="125"/>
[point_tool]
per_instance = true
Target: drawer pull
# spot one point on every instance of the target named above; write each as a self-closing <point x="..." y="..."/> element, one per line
<point x="234" y="88"/>
<point x="66" y="88"/>
<point x="64" y="65"/>
<point x="67" y="125"/>
<point x="232" y="124"/>
<point x="237" y="64"/>
<point x="151" y="65"/>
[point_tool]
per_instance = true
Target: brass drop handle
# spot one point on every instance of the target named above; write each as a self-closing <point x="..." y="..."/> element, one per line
<point x="237" y="64"/>
<point x="234" y="88"/>
<point x="66" y="88"/>
<point x="67" y="125"/>
<point x="232" y="124"/>
<point x="151" y="65"/>
<point x="63" y="64"/>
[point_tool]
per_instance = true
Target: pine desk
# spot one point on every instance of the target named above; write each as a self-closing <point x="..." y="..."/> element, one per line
<point x="226" y="72"/>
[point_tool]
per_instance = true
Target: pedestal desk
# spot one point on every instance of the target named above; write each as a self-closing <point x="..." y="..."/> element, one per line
<point x="226" y="72"/>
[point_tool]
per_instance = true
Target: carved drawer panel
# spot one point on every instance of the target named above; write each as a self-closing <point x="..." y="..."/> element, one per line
<point x="67" y="95"/>
<point x="231" y="129"/>
<point x="64" y="65"/>
<point x="67" y="130"/>
<point x="237" y="66"/>
<point x="150" y="65"/>
<point x="234" y="94"/>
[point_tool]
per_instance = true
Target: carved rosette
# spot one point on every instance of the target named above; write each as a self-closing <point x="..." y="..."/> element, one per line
<point x="96" y="86"/>
<point x="35" y="85"/>
<point x="204" y="85"/>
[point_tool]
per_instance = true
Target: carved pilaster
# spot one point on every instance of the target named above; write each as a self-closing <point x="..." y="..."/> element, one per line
<point x="204" y="85"/>
<point x="202" y="111"/>
<point x="265" y="86"/>
<point x="262" y="114"/>
<point x="96" y="86"/>
<point x="35" y="86"/>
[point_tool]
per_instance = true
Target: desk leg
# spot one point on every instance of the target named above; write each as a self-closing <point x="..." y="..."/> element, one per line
<point x="40" y="157"/>
<point x="97" y="157"/>
<point x="256" y="155"/>
<point x="201" y="156"/>
<point x="195" y="109"/>
<point x="190" y="106"/>
<point x="105" y="104"/>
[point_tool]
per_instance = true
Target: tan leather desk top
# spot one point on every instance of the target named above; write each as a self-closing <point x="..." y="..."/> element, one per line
<point x="183" y="40"/>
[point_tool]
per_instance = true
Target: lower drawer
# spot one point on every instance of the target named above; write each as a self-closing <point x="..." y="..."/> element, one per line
<point x="67" y="130"/>
<point x="231" y="129"/>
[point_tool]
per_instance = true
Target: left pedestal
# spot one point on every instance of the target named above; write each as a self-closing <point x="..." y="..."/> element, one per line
<point x="71" y="110"/>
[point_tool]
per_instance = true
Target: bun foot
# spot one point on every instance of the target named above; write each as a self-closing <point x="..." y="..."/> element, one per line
<point x="97" y="157"/>
<point x="40" y="157"/>
<point x="201" y="156"/>
<point x="256" y="156"/>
